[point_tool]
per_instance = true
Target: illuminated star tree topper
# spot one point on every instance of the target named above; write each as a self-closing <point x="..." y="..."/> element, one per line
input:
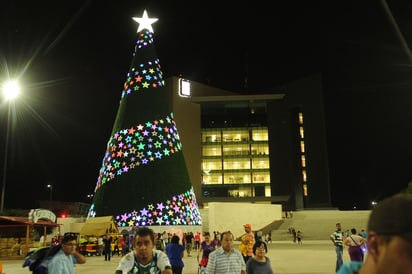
<point x="145" y="22"/>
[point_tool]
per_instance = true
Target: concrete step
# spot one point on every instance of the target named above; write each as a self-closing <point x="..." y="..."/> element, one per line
<point x="319" y="224"/>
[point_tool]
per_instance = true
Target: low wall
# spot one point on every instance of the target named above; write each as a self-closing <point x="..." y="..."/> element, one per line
<point x="232" y="216"/>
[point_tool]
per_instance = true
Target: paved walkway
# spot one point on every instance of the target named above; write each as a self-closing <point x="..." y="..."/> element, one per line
<point x="287" y="258"/>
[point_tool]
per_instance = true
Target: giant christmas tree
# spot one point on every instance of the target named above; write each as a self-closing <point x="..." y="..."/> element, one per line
<point x="143" y="180"/>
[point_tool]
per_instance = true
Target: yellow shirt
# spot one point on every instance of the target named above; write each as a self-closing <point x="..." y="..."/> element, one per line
<point x="246" y="244"/>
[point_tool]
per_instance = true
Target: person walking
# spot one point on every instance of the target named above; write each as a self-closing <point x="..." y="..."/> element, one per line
<point x="247" y="241"/>
<point x="197" y="237"/>
<point x="116" y="246"/>
<point x="294" y="234"/>
<point x="189" y="243"/>
<point x="64" y="260"/>
<point x="160" y="245"/>
<point x="389" y="234"/>
<point x="226" y="259"/>
<point x="100" y="245"/>
<point x="107" y="244"/>
<point x="175" y="252"/>
<point x="299" y="237"/>
<point x="337" y="238"/>
<point x="259" y="263"/>
<point x="206" y="247"/>
<point x="355" y="242"/>
<point x="144" y="258"/>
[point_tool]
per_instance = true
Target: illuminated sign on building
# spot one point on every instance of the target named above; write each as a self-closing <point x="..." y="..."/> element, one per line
<point x="184" y="88"/>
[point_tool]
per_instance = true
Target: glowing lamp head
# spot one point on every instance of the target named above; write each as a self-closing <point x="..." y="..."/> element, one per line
<point x="11" y="90"/>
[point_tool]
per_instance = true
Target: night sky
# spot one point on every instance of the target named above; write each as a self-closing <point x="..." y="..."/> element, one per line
<point x="72" y="57"/>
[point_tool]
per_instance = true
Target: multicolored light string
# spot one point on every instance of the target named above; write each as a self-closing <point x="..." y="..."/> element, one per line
<point x="144" y="75"/>
<point x="181" y="209"/>
<point x="139" y="145"/>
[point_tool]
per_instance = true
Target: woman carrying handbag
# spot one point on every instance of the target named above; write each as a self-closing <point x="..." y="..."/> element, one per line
<point x="355" y="243"/>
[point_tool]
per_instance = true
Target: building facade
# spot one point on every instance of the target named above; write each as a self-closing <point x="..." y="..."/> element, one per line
<point x="263" y="148"/>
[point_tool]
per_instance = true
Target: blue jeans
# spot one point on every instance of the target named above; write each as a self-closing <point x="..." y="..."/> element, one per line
<point x="339" y="255"/>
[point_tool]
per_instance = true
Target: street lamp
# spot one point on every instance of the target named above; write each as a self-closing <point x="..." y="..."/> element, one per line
<point x="10" y="91"/>
<point x="90" y="196"/>
<point x="51" y="192"/>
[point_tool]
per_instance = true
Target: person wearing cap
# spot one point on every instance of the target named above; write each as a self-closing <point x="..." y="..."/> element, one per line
<point x="389" y="239"/>
<point x="64" y="260"/>
<point x="247" y="241"/>
<point x="144" y="258"/>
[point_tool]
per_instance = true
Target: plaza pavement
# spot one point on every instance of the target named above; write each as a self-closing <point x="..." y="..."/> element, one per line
<point x="311" y="257"/>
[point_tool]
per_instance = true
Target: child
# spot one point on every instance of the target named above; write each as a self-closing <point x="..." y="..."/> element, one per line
<point x="299" y="237"/>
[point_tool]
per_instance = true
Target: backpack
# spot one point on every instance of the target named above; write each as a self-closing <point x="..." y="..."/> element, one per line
<point x="38" y="259"/>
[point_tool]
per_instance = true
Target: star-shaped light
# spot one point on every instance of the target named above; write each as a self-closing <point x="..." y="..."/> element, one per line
<point x="145" y="22"/>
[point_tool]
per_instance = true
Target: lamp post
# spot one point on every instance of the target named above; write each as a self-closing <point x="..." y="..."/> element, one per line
<point x="6" y="148"/>
<point x="10" y="92"/>
<point x="51" y="192"/>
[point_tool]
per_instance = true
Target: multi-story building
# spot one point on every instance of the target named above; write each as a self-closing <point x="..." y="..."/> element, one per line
<point x="262" y="148"/>
<point x="235" y="161"/>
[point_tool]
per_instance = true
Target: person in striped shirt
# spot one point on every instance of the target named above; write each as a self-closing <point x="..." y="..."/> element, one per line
<point x="226" y="259"/>
<point x="337" y="239"/>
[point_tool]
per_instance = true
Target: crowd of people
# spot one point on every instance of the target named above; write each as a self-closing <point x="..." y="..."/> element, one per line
<point x="214" y="255"/>
<point x="388" y="241"/>
<point x="218" y="255"/>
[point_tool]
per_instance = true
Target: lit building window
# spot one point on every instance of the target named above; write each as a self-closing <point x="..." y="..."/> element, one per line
<point x="305" y="190"/>
<point x="302" y="150"/>
<point x="235" y="159"/>
<point x="302" y="146"/>
<point x="300" y="118"/>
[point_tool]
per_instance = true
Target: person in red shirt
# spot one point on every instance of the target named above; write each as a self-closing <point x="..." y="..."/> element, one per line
<point x="197" y="241"/>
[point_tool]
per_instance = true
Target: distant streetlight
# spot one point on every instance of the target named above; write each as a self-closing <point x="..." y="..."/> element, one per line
<point x="90" y="196"/>
<point x="10" y="90"/>
<point x="51" y="192"/>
